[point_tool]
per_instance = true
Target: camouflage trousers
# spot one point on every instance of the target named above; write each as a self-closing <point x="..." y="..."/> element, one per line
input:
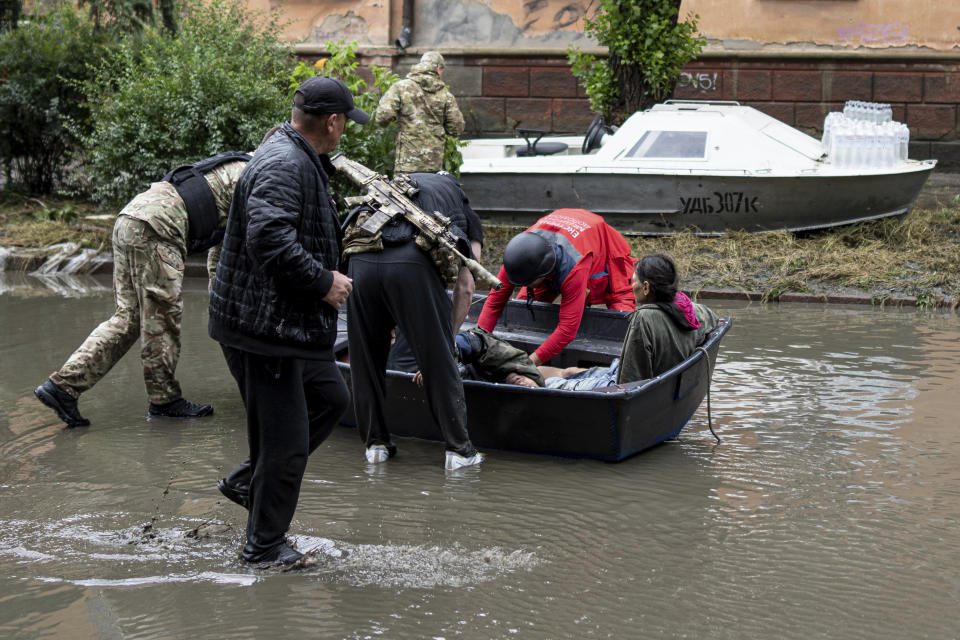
<point x="147" y="288"/>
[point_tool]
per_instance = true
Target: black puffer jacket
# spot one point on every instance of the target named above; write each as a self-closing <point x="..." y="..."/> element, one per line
<point x="282" y="239"/>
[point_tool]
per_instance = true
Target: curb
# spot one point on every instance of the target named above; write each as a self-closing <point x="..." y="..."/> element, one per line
<point x="823" y="298"/>
<point x="26" y="263"/>
<point x="198" y="269"/>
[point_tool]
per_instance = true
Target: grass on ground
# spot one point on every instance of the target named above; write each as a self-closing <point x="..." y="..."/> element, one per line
<point x="27" y="222"/>
<point x="913" y="255"/>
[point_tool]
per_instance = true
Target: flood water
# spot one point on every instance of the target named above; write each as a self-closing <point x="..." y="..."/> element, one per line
<point x="830" y="509"/>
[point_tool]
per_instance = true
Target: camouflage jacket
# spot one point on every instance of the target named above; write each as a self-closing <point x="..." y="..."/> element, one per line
<point x="356" y="240"/>
<point x="163" y="209"/>
<point x="436" y="192"/>
<point x="499" y="359"/>
<point x="426" y="112"/>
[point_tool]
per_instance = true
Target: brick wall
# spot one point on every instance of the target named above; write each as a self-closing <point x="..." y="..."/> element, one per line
<point x="498" y="94"/>
<point x="924" y="95"/>
<point x="801" y="93"/>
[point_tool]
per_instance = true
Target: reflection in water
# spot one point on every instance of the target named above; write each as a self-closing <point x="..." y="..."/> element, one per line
<point x="829" y="509"/>
<point x="70" y="285"/>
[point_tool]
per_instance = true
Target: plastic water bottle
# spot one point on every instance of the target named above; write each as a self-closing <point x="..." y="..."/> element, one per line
<point x="887" y="113"/>
<point x="829" y="125"/>
<point x="837" y="143"/>
<point x="864" y="135"/>
<point x="843" y="147"/>
<point x="856" y="147"/>
<point x="888" y="145"/>
<point x="903" y="141"/>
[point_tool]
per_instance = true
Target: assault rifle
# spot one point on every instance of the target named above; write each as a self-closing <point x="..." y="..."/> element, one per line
<point x="389" y="200"/>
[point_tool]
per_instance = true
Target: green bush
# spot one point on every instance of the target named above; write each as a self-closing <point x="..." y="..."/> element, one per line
<point x="162" y="100"/>
<point x="42" y="63"/>
<point x="647" y="45"/>
<point x="66" y="214"/>
<point x="9" y="14"/>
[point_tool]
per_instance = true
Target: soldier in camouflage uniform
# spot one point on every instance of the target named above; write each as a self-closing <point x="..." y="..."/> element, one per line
<point x="151" y="237"/>
<point x="426" y="112"/>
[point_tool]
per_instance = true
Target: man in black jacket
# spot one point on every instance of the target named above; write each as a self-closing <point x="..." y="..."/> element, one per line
<point x="273" y="308"/>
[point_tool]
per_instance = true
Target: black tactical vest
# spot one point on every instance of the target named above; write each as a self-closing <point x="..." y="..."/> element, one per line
<point x="203" y="228"/>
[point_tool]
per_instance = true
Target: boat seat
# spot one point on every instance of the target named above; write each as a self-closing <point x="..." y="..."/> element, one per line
<point x="537" y="148"/>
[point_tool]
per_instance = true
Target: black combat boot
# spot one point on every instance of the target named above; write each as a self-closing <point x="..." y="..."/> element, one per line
<point x="282" y="554"/>
<point x="179" y="408"/>
<point x="235" y="493"/>
<point x="64" y="404"/>
<point x="236" y="486"/>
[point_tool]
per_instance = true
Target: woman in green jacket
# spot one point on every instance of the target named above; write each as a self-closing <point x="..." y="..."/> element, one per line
<point x="665" y="329"/>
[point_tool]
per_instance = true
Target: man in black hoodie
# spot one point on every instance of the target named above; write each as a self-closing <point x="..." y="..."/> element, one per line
<point x="273" y="308"/>
<point x="401" y="282"/>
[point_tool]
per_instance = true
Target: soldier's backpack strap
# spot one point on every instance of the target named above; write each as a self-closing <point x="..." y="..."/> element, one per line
<point x="426" y="102"/>
<point x="189" y="181"/>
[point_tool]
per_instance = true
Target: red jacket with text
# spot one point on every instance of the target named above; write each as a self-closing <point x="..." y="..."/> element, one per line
<point x="593" y="266"/>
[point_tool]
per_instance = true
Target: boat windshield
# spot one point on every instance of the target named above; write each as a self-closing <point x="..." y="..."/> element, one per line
<point x="670" y="144"/>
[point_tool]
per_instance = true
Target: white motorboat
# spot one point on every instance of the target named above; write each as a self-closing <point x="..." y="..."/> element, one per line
<point x="705" y="166"/>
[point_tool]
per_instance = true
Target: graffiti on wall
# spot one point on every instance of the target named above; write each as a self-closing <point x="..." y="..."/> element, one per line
<point x="699" y="81"/>
<point x="502" y="23"/>
<point x="340" y="27"/>
<point x="891" y="33"/>
<point x="547" y="17"/>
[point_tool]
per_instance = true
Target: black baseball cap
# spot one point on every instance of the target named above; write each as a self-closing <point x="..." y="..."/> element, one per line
<point x="323" y="94"/>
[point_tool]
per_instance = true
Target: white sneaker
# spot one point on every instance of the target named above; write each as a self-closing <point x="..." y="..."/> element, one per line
<point x="457" y="461"/>
<point x="377" y="453"/>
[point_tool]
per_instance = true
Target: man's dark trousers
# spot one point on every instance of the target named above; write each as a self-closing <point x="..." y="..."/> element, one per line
<point x="399" y="286"/>
<point x="301" y="400"/>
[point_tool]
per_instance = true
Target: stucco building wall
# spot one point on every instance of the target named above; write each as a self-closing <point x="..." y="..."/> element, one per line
<point x="840" y="24"/>
<point x="734" y="25"/>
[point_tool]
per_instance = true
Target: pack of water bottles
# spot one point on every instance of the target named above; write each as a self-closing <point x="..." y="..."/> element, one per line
<point x="864" y="135"/>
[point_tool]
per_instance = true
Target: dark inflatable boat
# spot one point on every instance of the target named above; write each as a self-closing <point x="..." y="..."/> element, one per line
<point x="610" y="424"/>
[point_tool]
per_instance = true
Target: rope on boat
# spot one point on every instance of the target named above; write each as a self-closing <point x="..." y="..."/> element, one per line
<point x="533" y="318"/>
<point x="709" y="380"/>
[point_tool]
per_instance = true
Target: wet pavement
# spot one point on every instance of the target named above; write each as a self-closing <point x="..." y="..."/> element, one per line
<point x="829" y="509"/>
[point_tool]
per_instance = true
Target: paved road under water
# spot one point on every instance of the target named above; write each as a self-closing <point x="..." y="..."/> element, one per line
<point x="830" y="509"/>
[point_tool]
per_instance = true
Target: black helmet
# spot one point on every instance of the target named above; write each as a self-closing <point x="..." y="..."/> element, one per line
<point x="528" y="257"/>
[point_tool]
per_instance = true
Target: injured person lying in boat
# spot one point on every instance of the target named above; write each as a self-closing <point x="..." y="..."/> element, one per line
<point x="483" y="356"/>
<point x="609" y="423"/>
<point x="666" y="328"/>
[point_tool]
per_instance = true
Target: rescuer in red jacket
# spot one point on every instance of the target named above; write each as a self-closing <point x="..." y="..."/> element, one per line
<point x="570" y="252"/>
